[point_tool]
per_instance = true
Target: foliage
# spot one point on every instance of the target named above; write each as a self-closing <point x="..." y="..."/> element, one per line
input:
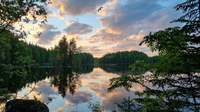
<point x="191" y="18"/>
<point x="72" y="50"/>
<point x="95" y="107"/>
<point x="82" y="59"/>
<point x="17" y="58"/>
<point x="62" y="49"/>
<point x="66" y="80"/>
<point x="15" y="78"/>
<point x="67" y="54"/>
<point x="122" y="58"/>
<point x="16" y="52"/>
<point x="122" y="81"/>
<point x="174" y="78"/>
<point x="128" y="105"/>
<point x="11" y="50"/>
<point x="27" y="11"/>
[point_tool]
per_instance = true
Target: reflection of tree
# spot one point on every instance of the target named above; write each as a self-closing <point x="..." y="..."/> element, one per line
<point x="83" y="69"/>
<point x="66" y="81"/>
<point x="115" y="69"/>
<point x="12" y="79"/>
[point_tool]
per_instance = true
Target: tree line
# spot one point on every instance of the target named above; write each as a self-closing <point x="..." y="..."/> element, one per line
<point x="126" y="58"/>
<point x="16" y="52"/>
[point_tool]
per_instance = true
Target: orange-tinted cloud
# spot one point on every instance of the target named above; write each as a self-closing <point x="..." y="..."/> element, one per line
<point x="77" y="7"/>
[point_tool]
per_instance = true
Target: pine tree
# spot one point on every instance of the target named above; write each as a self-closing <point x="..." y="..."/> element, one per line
<point x="72" y="49"/>
<point x="191" y="19"/>
<point x="62" y="49"/>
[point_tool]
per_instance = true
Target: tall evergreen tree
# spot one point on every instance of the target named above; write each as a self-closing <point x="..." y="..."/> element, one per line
<point x="72" y="50"/>
<point x="191" y="18"/>
<point x="62" y="50"/>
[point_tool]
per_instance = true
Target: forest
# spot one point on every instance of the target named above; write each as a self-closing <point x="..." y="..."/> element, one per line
<point x="167" y="82"/>
<point x="15" y="52"/>
<point x="126" y="58"/>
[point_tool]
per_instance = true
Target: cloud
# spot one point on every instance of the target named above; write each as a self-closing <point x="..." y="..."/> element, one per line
<point x="76" y="28"/>
<point x="122" y="23"/>
<point x="126" y="20"/>
<point x="132" y="43"/>
<point x="77" y="7"/>
<point x="48" y="34"/>
<point x="127" y="23"/>
<point x="124" y="16"/>
<point x="98" y="50"/>
<point x="104" y="35"/>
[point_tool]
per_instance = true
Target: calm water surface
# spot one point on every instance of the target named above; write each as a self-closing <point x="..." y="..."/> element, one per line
<point x="71" y="92"/>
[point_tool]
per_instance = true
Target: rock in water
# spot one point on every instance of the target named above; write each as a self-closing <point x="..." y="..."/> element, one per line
<point x="19" y="105"/>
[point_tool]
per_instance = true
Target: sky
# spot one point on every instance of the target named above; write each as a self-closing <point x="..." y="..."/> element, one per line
<point x="119" y="26"/>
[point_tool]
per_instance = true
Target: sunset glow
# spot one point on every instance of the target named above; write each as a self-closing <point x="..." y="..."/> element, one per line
<point x="119" y="26"/>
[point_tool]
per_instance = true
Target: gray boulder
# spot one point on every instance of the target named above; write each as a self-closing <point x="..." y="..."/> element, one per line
<point x="19" y="105"/>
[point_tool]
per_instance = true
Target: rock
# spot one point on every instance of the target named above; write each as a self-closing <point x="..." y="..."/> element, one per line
<point x="19" y="105"/>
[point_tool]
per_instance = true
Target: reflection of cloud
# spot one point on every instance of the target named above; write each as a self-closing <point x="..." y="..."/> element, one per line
<point x="115" y="97"/>
<point x="98" y="82"/>
<point x="42" y="91"/>
<point x="99" y="89"/>
<point x="2" y="105"/>
<point x="118" y="95"/>
<point x="77" y="98"/>
<point x="94" y="88"/>
<point x="137" y="88"/>
<point x="44" y="88"/>
<point x="60" y="109"/>
<point x="68" y="103"/>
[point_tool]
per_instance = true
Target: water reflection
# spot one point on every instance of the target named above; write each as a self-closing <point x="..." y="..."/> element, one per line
<point x="69" y="90"/>
<point x="66" y="81"/>
<point x="12" y="79"/>
<point x="116" y="69"/>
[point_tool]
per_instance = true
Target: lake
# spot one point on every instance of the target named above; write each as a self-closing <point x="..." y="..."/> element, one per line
<point x="71" y="90"/>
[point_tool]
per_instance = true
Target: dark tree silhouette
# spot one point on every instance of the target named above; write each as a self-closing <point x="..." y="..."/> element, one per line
<point x="175" y="76"/>
<point x="12" y="11"/>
